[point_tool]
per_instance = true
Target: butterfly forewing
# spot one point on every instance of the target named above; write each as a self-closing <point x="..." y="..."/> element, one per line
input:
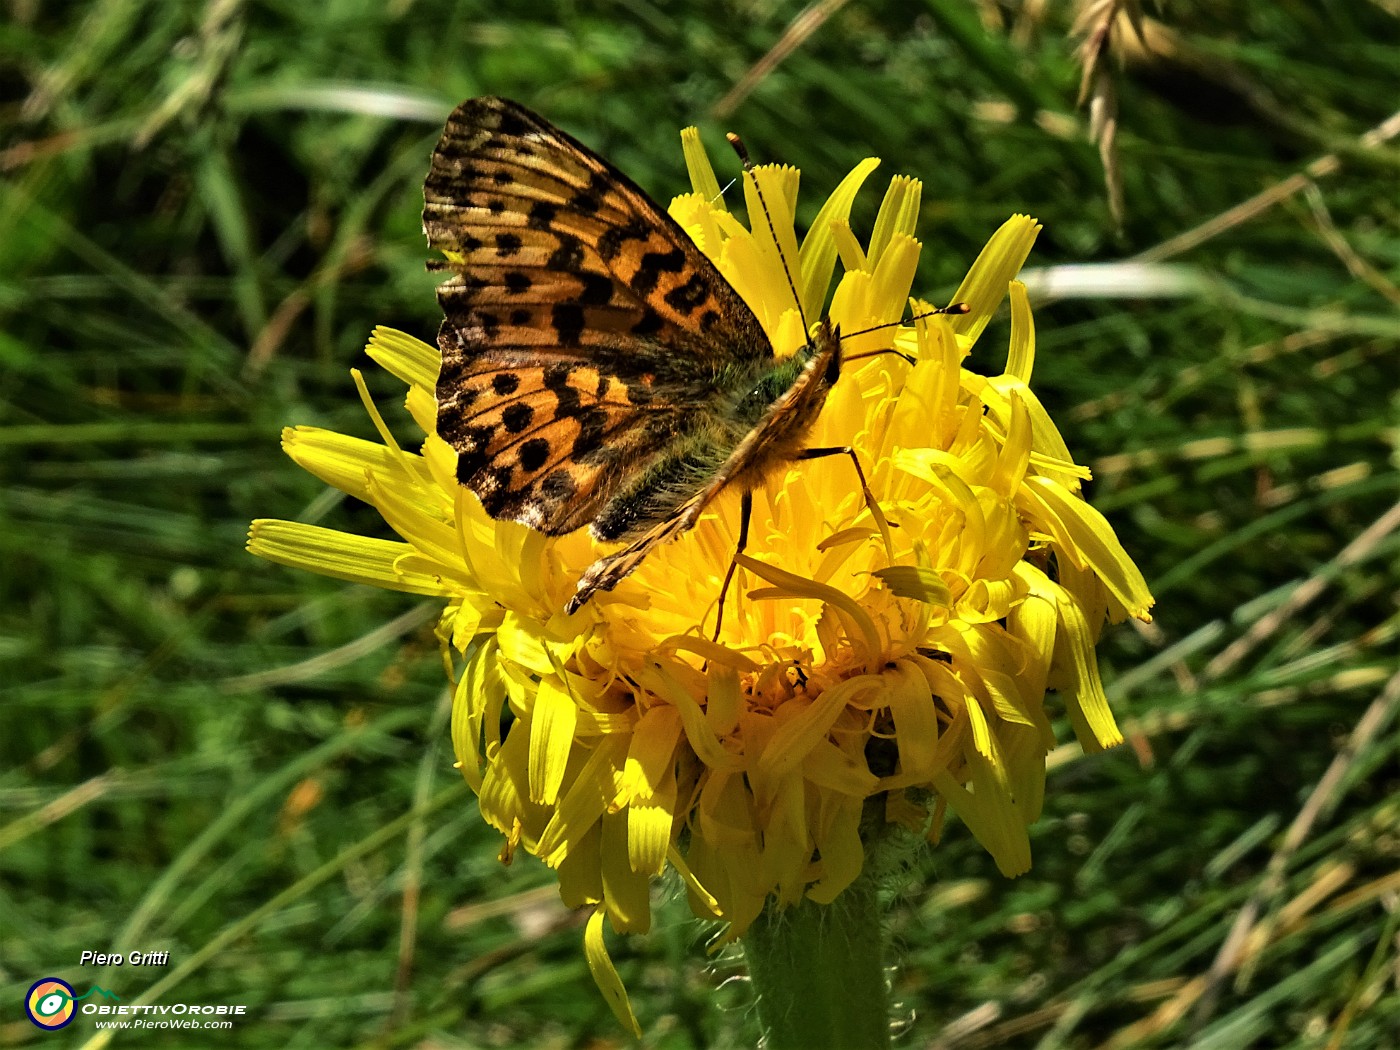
<point x="584" y="330"/>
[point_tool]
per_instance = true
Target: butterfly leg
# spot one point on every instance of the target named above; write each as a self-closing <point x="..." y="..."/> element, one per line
<point x="870" y="503"/>
<point x="841" y="450"/>
<point x="745" y="512"/>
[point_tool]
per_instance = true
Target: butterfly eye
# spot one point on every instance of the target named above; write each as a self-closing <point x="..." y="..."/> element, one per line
<point x="833" y="365"/>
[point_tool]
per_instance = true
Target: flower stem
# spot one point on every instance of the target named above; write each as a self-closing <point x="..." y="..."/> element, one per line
<point x="817" y="972"/>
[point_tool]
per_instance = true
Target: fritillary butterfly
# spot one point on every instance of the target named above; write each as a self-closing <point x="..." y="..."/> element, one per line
<point x="596" y="368"/>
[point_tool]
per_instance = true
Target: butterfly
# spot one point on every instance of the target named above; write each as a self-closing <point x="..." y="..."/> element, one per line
<point x="597" y="370"/>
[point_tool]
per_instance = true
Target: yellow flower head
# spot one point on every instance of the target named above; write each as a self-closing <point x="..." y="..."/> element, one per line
<point x="897" y="650"/>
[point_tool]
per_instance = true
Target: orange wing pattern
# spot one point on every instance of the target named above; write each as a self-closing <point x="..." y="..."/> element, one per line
<point x="584" y="330"/>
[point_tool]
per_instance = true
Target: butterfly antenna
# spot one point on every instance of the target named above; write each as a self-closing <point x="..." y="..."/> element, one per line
<point x="942" y="311"/>
<point x="955" y="308"/>
<point x="742" y="150"/>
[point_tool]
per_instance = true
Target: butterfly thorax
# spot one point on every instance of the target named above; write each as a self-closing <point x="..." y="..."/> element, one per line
<point x="758" y="385"/>
<point x="785" y="402"/>
<point x="760" y="425"/>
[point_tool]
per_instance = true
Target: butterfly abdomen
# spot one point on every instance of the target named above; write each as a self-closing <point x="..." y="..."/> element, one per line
<point x="656" y="490"/>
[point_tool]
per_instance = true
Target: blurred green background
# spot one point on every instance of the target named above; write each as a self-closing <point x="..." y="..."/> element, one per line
<point x="206" y="207"/>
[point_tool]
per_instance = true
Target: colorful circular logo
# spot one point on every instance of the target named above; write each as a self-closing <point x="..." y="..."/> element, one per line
<point x="49" y="1003"/>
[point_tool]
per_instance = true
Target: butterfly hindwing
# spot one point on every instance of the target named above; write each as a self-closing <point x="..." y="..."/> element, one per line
<point x="546" y="442"/>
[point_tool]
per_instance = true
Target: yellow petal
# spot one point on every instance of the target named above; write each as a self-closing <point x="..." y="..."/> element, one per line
<point x="1020" y="358"/>
<point x="898" y="215"/>
<point x="991" y="816"/>
<point x="820" y="247"/>
<point x="698" y="732"/>
<point x="693" y="884"/>
<point x="1085" y="535"/>
<point x="791" y="585"/>
<point x="986" y="282"/>
<point x="412" y="360"/>
<point x="359" y="559"/>
<point x="476" y="709"/>
<point x="700" y="219"/>
<point x="848" y="249"/>
<point x="912" y="581"/>
<point x="1085" y="702"/>
<point x="341" y="461"/>
<point x="915" y="722"/>
<point x="829" y="767"/>
<point x="584" y="801"/>
<point x="649" y="756"/>
<point x="796" y="738"/>
<point x="626" y="893"/>
<point x="649" y="826"/>
<point x="1016" y="449"/>
<point x="843" y="855"/>
<point x="505" y="803"/>
<point x="1050" y="455"/>
<point x="554" y="717"/>
<point x="697" y="164"/>
<point x="605" y="974"/>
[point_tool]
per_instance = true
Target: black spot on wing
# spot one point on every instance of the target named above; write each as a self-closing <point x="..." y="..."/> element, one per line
<point x="597" y="289"/>
<point x="558" y="487"/>
<point x="556" y="380"/>
<point x="588" y="201"/>
<point x="568" y="257"/>
<point x="568" y="404"/>
<point x="517" y="417"/>
<point x="471" y="443"/>
<point x="652" y="266"/>
<point x="505" y="383"/>
<point x="684" y="298"/>
<point x="612" y="240"/>
<point x="508" y="122"/>
<point x="541" y="215"/>
<point x="466" y="468"/>
<point x="494" y="490"/>
<point x="534" y="454"/>
<point x="593" y="425"/>
<point x="567" y="319"/>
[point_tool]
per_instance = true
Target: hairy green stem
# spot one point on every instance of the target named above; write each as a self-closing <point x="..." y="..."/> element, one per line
<point x="818" y="973"/>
